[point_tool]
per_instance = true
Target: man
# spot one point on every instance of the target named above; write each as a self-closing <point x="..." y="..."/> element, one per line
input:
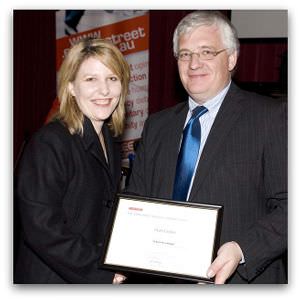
<point x="242" y="160"/>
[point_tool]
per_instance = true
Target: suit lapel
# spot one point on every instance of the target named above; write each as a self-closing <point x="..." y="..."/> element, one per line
<point x="113" y="155"/>
<point x="226" y="118"/>
<point x="92" y="144"/>
<point x="171" y="144"/>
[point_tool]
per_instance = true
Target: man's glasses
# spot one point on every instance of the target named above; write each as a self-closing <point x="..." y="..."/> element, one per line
<point x="186" y="55"/>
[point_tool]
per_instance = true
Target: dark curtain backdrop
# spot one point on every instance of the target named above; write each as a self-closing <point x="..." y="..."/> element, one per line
<point x="34" y="81"/>
<point x="165" y="88"/>
<point x="262" y="66"/>
<point x="34" y="75"/>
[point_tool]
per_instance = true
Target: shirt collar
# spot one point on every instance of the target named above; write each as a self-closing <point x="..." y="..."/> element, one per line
<point x="213" y="103"/>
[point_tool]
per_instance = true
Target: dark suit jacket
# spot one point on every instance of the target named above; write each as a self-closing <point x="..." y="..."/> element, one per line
<point x="65" y="192"/>
<point x="243" y="167"/>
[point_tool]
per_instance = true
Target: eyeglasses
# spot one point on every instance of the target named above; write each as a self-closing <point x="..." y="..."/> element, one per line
<point x="186" y="55"/>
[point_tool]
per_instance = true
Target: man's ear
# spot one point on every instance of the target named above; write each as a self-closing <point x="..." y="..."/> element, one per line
<point x="232" y="60"/>
<point x="71" y="89"/>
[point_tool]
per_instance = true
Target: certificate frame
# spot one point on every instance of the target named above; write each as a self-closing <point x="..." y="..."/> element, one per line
<point x="148" y="235"/>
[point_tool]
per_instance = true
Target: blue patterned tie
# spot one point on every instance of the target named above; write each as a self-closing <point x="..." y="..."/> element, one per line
<point x="188" y="155"/>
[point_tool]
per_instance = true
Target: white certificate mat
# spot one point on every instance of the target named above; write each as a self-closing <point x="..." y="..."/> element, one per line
<point x="176" y="239"/>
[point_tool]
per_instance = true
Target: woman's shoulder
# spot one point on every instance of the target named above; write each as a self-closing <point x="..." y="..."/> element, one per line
<point x="52" y="129"/>
<point x="54" y="133"/>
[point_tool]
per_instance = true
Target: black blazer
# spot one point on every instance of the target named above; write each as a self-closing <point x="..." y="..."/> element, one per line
<point x="65" y="192"/>
<point x="243" y="167"/>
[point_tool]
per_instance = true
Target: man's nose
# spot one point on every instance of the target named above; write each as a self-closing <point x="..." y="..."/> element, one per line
<point x="195" y="62"/>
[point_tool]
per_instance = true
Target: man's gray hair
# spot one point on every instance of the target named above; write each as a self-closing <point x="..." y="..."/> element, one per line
<point x="207" y="18"/>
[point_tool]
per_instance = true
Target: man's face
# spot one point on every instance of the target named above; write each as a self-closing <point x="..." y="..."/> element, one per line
<point x="204" y="79"/>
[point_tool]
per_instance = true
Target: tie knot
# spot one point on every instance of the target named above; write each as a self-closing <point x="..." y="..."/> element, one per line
<point x="198" y="112"/>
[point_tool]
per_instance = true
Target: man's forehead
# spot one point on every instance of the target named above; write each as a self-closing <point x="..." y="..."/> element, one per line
<point x="212" y="28"/>
<point x="202" y="33"/>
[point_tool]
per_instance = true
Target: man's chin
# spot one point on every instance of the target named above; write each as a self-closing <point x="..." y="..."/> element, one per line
<point x="198" y="96"/>
<point x="197" y="89"/>
<point x="196" y="92"/>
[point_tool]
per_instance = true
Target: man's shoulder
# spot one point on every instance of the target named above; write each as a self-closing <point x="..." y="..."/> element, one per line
<point x="255" y="99"/>
<point x="169" y="112"/>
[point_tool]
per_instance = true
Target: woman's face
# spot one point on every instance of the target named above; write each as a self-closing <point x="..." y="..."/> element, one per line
<point x="97" y="91"/>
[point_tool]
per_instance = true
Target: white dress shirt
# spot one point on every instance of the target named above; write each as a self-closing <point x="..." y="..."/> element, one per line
<point x="206" y="121"/>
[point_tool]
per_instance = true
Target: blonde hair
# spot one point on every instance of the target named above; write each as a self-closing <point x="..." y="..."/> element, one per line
<point x="112" y="58"/>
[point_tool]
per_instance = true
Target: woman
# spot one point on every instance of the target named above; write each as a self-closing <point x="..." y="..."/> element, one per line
<point x="70" y="171"/>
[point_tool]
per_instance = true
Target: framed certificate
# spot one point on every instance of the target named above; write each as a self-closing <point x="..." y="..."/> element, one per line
<point x="163" y="237"/>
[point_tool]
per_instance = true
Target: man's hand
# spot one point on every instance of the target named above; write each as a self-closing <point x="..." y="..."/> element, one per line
<point x="226" y="262"/>
<point x="118" y="279"/>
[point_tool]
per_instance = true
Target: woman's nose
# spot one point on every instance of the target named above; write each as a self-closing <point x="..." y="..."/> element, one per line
<point x="103" y="88"/>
